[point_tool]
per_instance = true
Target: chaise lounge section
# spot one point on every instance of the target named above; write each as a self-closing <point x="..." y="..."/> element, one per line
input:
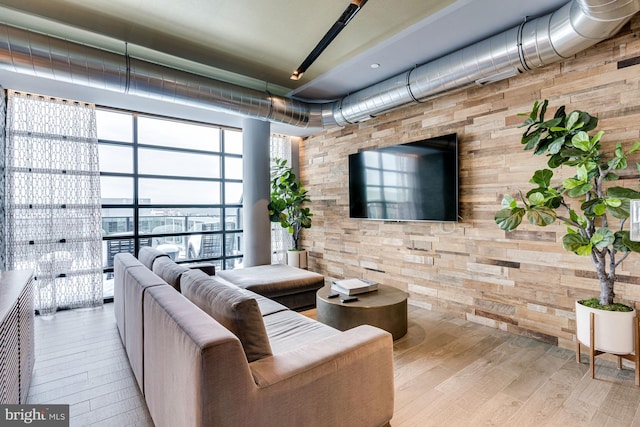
<point x="293" y="287"/>
<point x="215" y="354"/>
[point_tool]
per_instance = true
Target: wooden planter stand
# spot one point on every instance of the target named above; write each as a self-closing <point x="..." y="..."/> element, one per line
<point x="634" y="357"/>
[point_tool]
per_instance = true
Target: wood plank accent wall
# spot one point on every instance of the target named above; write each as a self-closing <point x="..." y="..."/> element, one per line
<point x="523" y="281"/>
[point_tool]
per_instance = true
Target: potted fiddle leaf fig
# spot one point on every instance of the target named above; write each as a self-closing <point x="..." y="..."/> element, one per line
<point x="594" y="210"/>
<point x="286" y="207"/>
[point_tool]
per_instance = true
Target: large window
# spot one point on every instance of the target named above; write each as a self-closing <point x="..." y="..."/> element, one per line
<point x="173" y="185"/>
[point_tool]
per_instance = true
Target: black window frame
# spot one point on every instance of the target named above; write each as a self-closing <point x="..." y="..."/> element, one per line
<point x="225" y="260"/>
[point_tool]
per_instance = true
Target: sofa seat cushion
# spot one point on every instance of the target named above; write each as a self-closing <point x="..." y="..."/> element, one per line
<point x="169" y="271"/>
<point x="232" y="308"/>
<point x="267" y="306"/>
<point x="288" y="330"/>
<point x="274" y="280"/>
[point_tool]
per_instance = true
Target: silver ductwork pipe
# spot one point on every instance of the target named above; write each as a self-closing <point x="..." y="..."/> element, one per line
<point x="533" y="44"/>
<point x="39" y="55"/>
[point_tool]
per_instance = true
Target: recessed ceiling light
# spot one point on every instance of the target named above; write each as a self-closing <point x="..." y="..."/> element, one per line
<point x="375" y="65"/>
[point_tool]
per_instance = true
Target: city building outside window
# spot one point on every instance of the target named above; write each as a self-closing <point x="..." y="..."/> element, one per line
<point x="171" y="184"/>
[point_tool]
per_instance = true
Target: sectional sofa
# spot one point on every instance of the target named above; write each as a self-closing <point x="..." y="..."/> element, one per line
<point x="206" y="352"/>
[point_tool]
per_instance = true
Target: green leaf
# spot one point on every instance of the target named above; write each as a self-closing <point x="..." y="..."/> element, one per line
<point x="602" y="238"/>
<point x="596" y="138"/>
<point x="572" y="119"/>
<point x="543" y="109"/>
<point x="557" y="160"/>
<point x="623" y="193"/>
<point x="542" y="146"/>
<point x="584" y="250"/>
<point x="556" y="145"/>
<point x="595" y="239"/>
<point x="583" y="172"/>
<point x="589" y="206"/>
<point x="508" y="202"/>
<point x="634" y="148"/>
<point x="533" y="115"/>
<point x="621" y="212"/>
<point x="509" y="219"/>
<point x="613" y="202"/>
<point x="541" y="215"/>
<point x="573" y="216"/>
<point x="577" y="244"/>
<point x="527" y="122"/>
<point x="536" y="198"/>
<point x="550" y="197"/>
<point x="531" y="140"/>
<point x="570" y="152"/>
<point x="589" y="121"/>
<point x="618" y="244"/>
<point x="631" y="245"/>
<point x="580" y="190"/>
<point x="599" y="209"/>
<point x="542" y="178"/>
<point x="551" y="123"/>
<point x="559" y="112"/>
<point x="581" y="141"/>
<point x="570" y="183"/>
<point x="618" y="163"/>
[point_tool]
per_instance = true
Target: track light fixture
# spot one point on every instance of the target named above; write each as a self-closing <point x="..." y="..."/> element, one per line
<point x="344" y="19"/>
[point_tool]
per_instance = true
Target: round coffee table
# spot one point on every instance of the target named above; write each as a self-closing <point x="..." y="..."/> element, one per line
<point x="385" y="308"/>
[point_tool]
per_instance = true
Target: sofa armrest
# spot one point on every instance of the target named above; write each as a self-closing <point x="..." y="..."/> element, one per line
<point x="345" y="379"/>
<point x="195" y="370"/>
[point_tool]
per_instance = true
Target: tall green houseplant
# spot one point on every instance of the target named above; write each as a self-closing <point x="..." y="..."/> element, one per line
<point x="565" y="140"/>
<point x="287" y="200"/>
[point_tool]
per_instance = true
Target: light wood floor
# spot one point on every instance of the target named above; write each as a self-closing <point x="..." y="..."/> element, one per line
<point x="80" y="361"/>
<point x="449" y="372"/>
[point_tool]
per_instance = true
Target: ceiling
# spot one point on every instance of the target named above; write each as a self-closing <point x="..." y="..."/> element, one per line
<point x="258" y="43"/>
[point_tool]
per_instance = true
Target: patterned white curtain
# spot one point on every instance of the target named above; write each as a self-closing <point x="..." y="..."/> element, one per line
<point x="3" y="232"/>
<point x="53" y="199"/>
<point x="280" y="239"/>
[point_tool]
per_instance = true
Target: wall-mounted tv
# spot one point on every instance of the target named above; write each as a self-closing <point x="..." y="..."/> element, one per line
<point x="417" y="181"/>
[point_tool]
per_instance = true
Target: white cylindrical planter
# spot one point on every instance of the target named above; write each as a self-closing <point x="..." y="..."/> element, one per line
<point x="297" y="258"/>
<point x="613" y="330"/>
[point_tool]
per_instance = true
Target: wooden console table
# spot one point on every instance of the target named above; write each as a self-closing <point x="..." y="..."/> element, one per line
<point x="17" y="355"/>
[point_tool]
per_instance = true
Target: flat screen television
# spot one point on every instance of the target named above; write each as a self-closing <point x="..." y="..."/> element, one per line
<point x="416" y="181"/>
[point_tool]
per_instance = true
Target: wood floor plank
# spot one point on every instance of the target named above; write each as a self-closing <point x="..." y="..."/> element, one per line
<point x="546" y="401"/>
<point x="104" y="413"/>
<point x="497" y="410"/>
<point x="621" y="403"/>
<point x="448" y="372"/>
<point x="411" y="395"/>
<point x="484" y="388"/>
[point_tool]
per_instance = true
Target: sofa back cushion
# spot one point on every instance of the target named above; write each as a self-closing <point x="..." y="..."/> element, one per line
<point x="148" y="255"/>
<point x="232" y="308"/>
<point x="169" y="271"/>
